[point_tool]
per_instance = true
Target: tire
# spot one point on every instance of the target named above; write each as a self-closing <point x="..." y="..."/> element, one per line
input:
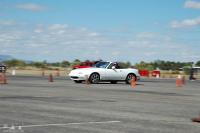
<point x="94" y="78"/>
<point x="113" y="82"/>
<point x="129" y="77"/>
<point x="77" y="81"/>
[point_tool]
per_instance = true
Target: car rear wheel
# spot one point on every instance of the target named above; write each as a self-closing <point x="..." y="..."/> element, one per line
<point x="129" y="77"/>
<point x="94" y="78"/>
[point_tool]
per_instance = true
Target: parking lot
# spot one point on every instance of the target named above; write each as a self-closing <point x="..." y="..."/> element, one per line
<point x="31" y="104"/>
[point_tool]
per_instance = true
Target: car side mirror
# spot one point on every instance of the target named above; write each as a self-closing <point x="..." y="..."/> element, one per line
<point x="113" y="67"/>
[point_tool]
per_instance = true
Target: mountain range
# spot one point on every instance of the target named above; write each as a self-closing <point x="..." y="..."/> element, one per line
<point x="5" y="57"/>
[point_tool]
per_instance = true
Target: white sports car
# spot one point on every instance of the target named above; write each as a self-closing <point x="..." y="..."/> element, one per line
<point x="104" y="71"/>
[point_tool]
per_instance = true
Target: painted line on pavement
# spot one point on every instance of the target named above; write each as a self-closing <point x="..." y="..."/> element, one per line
<point x="61" y="124"/>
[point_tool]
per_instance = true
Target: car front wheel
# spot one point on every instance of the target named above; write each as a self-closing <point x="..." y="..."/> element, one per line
<point x="94" y="78"/>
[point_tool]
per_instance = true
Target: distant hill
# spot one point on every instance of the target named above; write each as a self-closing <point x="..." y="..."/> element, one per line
<point x="5" y="57"/>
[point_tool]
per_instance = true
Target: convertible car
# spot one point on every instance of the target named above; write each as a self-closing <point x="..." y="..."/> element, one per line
<point x="104" y="71"/>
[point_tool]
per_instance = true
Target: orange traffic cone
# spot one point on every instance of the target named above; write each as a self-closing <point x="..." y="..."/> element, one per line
<point x="157" y="76"/>
<point x="179" y="81"/>
<point x="197" y="119"/>
<point x="133" y="82"/>
<point x="3" y="79"/>
<point x="50" y="78"/>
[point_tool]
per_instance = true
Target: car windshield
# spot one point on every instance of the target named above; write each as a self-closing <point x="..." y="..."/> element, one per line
<point x="101" y="64"/>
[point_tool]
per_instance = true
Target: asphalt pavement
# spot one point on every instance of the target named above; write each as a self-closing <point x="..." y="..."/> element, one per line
<point x="31" y="104"/>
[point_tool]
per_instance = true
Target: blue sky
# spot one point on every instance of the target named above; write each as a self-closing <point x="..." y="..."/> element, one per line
<point x="120" y="30"/>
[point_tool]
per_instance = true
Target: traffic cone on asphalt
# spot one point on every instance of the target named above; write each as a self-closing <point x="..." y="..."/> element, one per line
<point x="87" y="81"/>
<point x="133" y="82"/>
<point x="13" y="72"/>
<point x="197" y="119"/>
<point x="179" y="82"/>
<point x="43" y="74"/>
<point x="57" y="73"/>
<point x="157" y="76"/>
<point x="50" y="78"/>
<point x="3" y="79"/>
<point x="183" y="79"/>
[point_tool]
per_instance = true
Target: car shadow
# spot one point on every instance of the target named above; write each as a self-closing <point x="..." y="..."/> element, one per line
<point x="121" y="83"/>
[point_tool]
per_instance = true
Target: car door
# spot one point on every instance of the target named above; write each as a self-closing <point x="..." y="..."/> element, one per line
<point x="113" y="74"/>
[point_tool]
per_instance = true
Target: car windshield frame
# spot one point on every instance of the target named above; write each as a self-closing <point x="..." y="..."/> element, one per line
<point x="101" y="64"/>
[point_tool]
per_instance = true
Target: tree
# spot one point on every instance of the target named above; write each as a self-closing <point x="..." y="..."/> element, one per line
<point x="142" y="65"/>
<point x="76" y="62"/>
<point x="39" y="64"/>
<point x="15" y="63"/>
<point x="124" y="65"/>
<point x="198" y="63"/>
<point x="56" y="64"/>
<point x="65" y="64"/>
<point x="187" y="69"/>
<point x="163" y="65"/>
<point x="128" y="64"/>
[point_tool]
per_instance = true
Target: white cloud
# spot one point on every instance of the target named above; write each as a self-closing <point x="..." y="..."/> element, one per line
<point x="115" y="53"/>
<point x="161" y="46"/>
<point x="38" y="30"/>
<point x="186" y="23"/>
<point x="31" y="7"/>
<point x="57" y="26"/>
<point x="93" y="34"/>
<point x="192" y="4"/>
<point x="62" y="42"/>
<point x="146" y="35"/>
<point x="150" y="53"/>
<point x="7" y="22"/>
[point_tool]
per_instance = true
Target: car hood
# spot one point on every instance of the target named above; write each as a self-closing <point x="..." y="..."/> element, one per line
<point x="84" y="70"/>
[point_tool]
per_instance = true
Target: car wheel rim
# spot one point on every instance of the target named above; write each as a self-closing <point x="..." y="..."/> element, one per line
<point x="95" y="78"/>
<point x="130" y="77"/>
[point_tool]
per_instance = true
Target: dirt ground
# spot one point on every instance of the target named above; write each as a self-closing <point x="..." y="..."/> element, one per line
<point x="38" y="72"/>
<point x="65" y="71"/>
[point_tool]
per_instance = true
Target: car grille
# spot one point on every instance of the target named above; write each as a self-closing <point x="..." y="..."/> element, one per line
<point x="74" y="77"/>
